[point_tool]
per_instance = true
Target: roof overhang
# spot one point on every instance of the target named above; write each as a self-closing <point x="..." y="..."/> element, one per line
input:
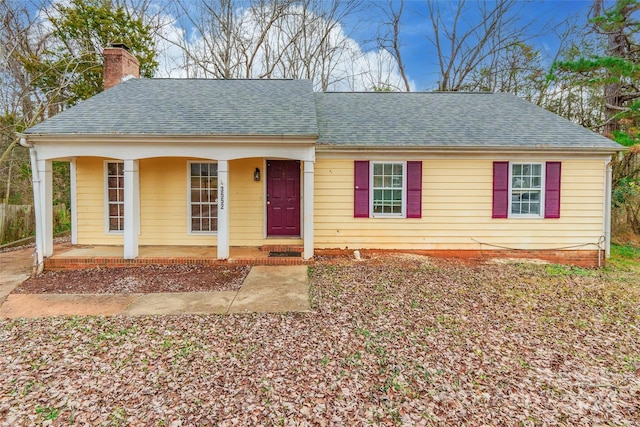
<point x="473" y="150"/>
<point x="155" y="138"/>
<point x="64" y="146"/>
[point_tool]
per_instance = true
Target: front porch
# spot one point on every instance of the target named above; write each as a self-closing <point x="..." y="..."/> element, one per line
<point x="148" y="207"/>
<point x="110" y="256"/>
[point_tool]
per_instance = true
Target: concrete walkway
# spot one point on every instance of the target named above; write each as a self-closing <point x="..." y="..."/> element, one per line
<point x="15" y="268"/>
<point x="274" y="289"/>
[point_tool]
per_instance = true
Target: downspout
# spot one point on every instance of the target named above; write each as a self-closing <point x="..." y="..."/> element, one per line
<point x="608" y="188"/>
<point x="38" y="260"/>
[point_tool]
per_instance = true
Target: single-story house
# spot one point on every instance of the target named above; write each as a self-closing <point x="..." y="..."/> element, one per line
<point x="251" y="163"/>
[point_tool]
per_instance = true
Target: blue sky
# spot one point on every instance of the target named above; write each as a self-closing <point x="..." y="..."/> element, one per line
<point x="418" y="54"/>
<point x="420" y="57"/>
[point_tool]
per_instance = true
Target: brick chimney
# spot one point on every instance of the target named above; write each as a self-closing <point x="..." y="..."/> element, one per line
<point x="118" y="64"/>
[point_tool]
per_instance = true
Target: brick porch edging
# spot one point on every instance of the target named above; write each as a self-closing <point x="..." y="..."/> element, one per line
<point x="56" y="264"/>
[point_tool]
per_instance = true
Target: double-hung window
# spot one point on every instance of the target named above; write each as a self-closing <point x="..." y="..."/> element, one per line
<point x="203" y="197"/>
<point x="526" y="189"/>
<point x="387" y="189"/>
<point x="115" y="196"/>
<point x="388" y="186"/>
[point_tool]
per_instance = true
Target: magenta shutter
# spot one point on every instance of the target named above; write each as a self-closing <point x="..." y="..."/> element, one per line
<point x="500" y="189"/>
<point x="414" y="189"/>
<point x="552" y="190"/>
<point x="361" y="191"/>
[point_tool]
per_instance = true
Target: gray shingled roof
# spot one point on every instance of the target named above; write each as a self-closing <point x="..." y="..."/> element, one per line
<point x="192" y="107"/>
<point x="445" y="119"/>
<point x="290" y="108"/>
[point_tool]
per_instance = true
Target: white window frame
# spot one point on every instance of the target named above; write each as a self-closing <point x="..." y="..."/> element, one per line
<point x="107" y="215"/>
<point x="542" y="190"/>
<point x="189" y="223"/>
<point x="403" y="202"/>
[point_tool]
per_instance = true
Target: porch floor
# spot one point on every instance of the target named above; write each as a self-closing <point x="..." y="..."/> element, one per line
<point x="84" y="256"/>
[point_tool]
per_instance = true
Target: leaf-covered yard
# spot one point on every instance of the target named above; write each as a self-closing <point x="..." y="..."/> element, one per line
<point x="392" y="340"/>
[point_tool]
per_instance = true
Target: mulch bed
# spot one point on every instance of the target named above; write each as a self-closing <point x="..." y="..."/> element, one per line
<point x="146" y="279"/>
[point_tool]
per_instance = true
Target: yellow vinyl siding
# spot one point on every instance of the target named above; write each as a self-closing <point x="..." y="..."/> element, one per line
<point x="90" y="188"/>
<point x="246" y="203"/>
<point x="163" y="204"/>
<point x="164" y="218"/>
<point x="164" y="210"/>
<point x="456" y="210"/>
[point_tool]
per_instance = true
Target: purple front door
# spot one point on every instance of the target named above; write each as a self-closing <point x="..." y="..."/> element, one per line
<point x="283" y="198"/>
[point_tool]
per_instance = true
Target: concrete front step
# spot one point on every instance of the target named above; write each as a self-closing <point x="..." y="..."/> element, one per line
<point x="282" y="248"/>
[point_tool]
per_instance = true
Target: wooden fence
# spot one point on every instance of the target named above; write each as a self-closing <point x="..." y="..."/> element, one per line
<point x="17" y="221"/>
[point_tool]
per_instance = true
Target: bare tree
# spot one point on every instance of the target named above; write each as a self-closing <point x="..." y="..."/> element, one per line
<point x="523" y="69"/>
<point x="213" y="22"/>
<point x="389" y="36"/>
<point x="19" y="37"/>
<point x="232" y="36"/>
<point x="281" y="39"/>
<point x="469" y="39"/>
<point x="312" y="42"/>
<point x="20" y="105"/>
<point x="256" y="41"/>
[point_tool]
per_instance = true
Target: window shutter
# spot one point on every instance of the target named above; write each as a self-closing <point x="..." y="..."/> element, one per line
<point x="500" y="189"/>
<point x="552" y="190"/>
<point x="414" y="189"/>
<point x="361" y="191"/>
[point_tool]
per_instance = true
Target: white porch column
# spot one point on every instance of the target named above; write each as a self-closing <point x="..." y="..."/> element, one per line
<point x="74" y="202"/>
<point x="131" y="208"/>
<point x="46" y="206"/>
<point x="308" y="229"/>
<point x="223" y="209"/>
<point x="35" y="176"/>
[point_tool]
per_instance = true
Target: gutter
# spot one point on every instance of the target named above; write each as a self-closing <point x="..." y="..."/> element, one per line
<point x="38" y="262"/>
<point x="466" y="149"/>
<point x="608" y="188"/>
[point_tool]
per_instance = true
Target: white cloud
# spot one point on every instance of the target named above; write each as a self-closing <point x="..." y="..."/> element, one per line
<point x="187" y="50"/>
<point x="342" y="65"/>
<point x="171" y="57"/>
